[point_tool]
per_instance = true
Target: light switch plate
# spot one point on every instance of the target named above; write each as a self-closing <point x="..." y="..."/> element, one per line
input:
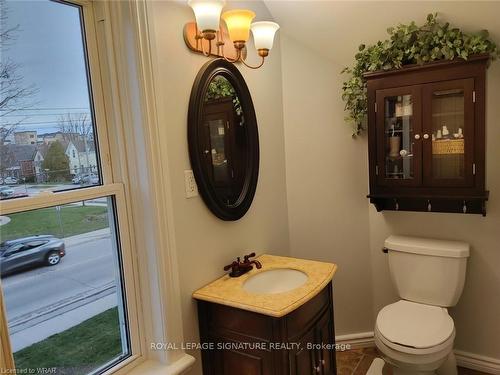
<point x="190" y="184"/>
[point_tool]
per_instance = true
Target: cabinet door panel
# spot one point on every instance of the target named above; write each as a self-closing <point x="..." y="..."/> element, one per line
<point x="449" y="125"/>
<point x="303" y="360"/>
<point x="399" y="142"/>
<point x="325" y="337"/>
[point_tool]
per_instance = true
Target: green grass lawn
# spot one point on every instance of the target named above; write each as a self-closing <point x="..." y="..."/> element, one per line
<point x="75" y="220"/>
<point x="77" y="350"/>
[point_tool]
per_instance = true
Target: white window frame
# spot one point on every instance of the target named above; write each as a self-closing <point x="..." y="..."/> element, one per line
<point x="111" y="187"/>
<point x="118" y="46"/>
<point x="124" y="33"/>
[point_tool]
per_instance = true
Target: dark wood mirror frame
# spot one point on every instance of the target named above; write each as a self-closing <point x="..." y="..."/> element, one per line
<point x="228" y="212"/>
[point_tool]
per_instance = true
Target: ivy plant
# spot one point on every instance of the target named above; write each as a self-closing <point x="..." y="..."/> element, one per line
<point x="219" y="88"/>
<point x="408" y="44"/>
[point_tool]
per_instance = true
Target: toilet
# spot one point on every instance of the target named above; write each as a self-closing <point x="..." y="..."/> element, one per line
<point x="415" y="335"/>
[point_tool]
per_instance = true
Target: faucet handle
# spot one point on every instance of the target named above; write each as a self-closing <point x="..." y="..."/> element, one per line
<point x="232" y="265"/>
<point x="246" y="257"/>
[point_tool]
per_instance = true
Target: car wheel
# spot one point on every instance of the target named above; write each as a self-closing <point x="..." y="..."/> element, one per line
<point x="53" y="258"/>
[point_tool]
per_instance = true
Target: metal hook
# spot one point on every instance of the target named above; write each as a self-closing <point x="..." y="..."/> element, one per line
<point x="429" y="205"/>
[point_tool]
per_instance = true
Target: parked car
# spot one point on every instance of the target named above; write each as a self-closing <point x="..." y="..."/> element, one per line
<point x="30" y="251"/>
<point x="10" y="180"/>
<point x="76" y="180"/>
<point x="6" y="191"/>
<point x="90" y="179"/>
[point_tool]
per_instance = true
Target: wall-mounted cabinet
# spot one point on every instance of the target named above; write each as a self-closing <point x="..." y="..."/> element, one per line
<point x="426" y="129"/>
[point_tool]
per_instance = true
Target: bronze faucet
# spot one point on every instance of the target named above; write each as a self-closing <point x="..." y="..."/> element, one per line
<point x="239" y="268"/>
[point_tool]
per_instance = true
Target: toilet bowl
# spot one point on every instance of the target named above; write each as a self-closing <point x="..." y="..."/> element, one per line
<point x="415" y="335"/>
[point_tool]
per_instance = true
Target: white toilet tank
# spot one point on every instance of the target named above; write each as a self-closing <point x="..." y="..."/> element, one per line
<point x="426" y="270"/>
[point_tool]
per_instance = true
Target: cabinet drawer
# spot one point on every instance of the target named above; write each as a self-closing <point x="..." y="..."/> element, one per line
<point x="301" y="319"/>
<point x="225" y="318"/>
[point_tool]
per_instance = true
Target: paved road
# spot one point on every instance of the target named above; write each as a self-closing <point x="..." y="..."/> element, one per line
<point x="86" y="267"/>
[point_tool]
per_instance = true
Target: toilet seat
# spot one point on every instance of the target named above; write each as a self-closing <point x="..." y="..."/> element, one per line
<point x="415" y="328"/>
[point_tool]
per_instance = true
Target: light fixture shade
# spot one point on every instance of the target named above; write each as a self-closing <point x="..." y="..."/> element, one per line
<point x="207" y="13"/>
<point x="263" y="34"/>
<point x="238" y="24"/>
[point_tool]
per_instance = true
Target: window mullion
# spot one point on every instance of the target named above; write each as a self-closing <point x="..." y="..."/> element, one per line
<point x="97" y="92"/>
<point x="52" y="199"/>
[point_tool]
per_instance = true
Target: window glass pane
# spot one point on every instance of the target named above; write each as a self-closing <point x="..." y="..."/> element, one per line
<point x="62" y="287"/>
<point x="47" y="125"/>
<point x="398" y="118"/>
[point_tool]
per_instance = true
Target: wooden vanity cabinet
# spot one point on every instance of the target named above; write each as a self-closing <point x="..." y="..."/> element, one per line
<point x="300" y="343"/>
<point x="426" y="132"/>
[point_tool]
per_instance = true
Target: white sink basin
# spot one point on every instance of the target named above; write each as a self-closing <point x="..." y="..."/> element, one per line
<point x="277" y="280"/>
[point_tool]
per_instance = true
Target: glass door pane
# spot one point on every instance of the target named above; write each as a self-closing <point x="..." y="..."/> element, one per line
<point x="217" y="130"/>
<point x="448" y="134"/>
<point x="398" y="134"/>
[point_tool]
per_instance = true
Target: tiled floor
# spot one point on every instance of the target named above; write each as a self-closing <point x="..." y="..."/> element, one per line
<point x="357" y="362"/>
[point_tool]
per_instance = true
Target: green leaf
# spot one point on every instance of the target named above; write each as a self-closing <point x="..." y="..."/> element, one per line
<point x="407" y="44"/>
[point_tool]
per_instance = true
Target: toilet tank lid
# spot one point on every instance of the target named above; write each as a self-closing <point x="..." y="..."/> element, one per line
<point x="428" y="246"/>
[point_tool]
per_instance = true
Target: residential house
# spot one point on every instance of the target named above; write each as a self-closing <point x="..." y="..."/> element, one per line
<point x="81" y="155"/>
<point x="20" y="161"/>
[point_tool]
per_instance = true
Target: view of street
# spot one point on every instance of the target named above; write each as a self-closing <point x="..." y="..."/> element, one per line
<point x="32" y="189"/>
<point x="36" y="299"/>
<point x="60" y="275"/>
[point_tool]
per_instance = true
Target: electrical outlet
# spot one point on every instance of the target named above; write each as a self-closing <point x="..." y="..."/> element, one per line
<point x="190" y="184"/>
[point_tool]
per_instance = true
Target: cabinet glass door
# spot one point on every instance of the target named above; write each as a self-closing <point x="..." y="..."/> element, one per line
<point x="398" y="128"/>
<point x="448" y="133"/>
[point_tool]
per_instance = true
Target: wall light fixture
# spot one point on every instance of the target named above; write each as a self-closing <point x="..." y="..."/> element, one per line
<point x="228" y="39"/>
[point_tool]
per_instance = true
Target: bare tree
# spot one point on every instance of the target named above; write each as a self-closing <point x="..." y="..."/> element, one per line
<point x="75" y="127"/>
<point x="14" y="94"/>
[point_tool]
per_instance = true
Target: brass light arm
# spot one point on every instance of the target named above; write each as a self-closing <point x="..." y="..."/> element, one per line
<point x="254" y="67"/>
<point x="238" y="56"/>
<point x="203" y="47"/>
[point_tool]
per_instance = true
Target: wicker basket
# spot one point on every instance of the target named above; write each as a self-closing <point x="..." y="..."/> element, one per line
<point x="448" y="146"/>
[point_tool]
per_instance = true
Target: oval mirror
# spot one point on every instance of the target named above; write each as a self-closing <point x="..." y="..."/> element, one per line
<point x="223" y="140"/>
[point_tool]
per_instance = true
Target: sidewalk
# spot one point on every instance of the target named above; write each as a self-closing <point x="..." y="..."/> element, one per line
<point x="86" y="237"/>
<point x="59" y="323"/>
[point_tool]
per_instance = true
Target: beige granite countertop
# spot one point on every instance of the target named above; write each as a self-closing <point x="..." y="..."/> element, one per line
<point x="228" y="290"/>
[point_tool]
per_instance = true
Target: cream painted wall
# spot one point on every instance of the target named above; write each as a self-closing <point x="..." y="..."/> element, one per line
<point x="477" y="315"/>
<point x="331" y="219"/>
<point x="204" y="243"/>
<point x="300" y="115"/>
<point x="326" y="182"/>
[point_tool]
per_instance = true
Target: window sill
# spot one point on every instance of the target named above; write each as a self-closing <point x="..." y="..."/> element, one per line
<point x="152" y="367"/>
